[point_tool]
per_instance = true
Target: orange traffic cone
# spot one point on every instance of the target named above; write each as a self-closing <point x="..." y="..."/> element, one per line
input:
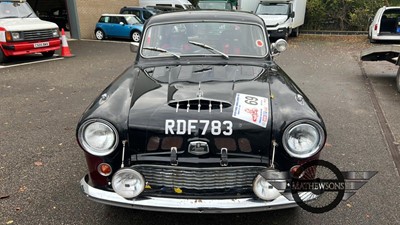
<point x="65" y="52"/>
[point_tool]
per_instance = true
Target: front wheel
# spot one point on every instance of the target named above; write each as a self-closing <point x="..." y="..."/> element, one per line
<point x="48" y="54"/>
<point x="3" y="58"/>
<point x="286" y="37"/>
<point x="67" y="26"/>
<point x="136" y="35"/>
<point x="99" y="35"/>
<point x="296" y="32"/>
<point x="398" y="80"/>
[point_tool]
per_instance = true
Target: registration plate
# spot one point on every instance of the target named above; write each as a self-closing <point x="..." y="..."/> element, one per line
<point x="41" y="44"/>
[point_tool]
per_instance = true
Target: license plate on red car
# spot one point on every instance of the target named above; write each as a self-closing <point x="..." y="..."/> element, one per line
<point x="41" y="44"/>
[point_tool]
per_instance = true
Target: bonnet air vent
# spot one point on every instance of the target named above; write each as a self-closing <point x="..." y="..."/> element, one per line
<point x="199" y="104"/>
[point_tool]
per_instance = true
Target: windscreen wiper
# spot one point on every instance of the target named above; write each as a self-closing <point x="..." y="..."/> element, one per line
<point x="162" y="50"/>
<point x="5" y="17"/>
<point x="211" y="49"/>
<point x="27" y="15"/>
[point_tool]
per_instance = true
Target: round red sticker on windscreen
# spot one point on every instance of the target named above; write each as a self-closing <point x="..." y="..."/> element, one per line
<point x="259" y="43"/>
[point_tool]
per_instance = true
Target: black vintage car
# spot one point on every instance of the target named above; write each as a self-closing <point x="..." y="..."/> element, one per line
<point x="193" y="124"/>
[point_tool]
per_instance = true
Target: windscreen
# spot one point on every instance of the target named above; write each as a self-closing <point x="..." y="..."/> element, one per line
<point x="214" y="5"/>
<point x="204" y="73"/>
<point x="15" y="10"/>
<point x="204" y="38"/>
<point x="133" y="20"/>
<point x="272" y="9"/>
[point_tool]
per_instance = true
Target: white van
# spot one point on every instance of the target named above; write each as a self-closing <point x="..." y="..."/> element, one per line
<point x="385" y="25"/>
<point x="180" y="4"/>
<point x="282" y="17"/>
<point x="22" y="32"/>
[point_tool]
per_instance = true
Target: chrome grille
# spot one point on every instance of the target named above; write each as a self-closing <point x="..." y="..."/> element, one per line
<point x="37" y="34"/>
<point x="199" y="178"/>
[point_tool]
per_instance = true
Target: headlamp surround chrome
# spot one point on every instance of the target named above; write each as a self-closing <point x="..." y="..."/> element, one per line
<point x="303" y="138"/>
<point x="98" y="137"/>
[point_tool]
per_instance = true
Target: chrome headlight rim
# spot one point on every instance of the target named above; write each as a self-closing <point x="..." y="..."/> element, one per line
<point x="318" y="146"/>
<point x="89" y="148"/>
<point x="138" y="175"/>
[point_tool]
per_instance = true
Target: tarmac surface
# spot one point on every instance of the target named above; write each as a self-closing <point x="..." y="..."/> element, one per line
<point x="41" y="164"/>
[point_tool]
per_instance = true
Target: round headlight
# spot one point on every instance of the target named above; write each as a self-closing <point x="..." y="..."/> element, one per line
<point x="303" y="139"/>
<point x="280" y="45"/>
<point x="98" y="137"/>
<point x="264" y="190"/>
<point x="128" y="183"/>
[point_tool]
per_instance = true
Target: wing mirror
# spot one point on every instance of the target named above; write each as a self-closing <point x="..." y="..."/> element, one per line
<point x="279" y="46"/>
<point x="134" y="46"/>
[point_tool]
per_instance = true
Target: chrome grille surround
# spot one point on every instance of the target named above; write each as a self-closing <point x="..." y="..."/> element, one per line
<point x="199" y="178"/>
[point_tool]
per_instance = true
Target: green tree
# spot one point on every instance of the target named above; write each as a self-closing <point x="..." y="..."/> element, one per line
<point x="342" y="14"/>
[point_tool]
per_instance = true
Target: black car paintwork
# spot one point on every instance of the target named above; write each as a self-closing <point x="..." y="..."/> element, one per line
<point x="135" y="103"/>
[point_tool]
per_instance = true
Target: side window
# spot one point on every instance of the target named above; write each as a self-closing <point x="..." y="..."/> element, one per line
<point x="104" y="19"/>
<point x="146" y="15"/>
<point x="125" y="12"/>
<point x="114" y="19"/>
<point x="179" y="6"/>
<point x="136" y="12"/>
<point x="122" y="19"/>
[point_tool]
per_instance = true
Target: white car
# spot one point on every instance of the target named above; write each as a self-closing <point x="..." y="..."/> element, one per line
<point x="385" y="25"/>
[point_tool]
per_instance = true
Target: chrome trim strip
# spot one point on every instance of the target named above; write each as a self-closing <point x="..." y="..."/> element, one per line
<point x="185" y="205"/>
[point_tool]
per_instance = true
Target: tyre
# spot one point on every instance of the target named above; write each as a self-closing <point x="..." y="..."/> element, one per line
<point x="99" y="34"/>
<point x="48" y="54"/>
<point x="3" y="58"/>
<point x="286" y="37"/>
<point x="136" y="35"/>
<point x="398" y="80"/>
<point x="370" y="38"/>
<point x="67" y="26"/>
<point x="295" y="32"/>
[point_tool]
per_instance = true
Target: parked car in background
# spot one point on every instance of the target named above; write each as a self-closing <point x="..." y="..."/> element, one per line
<point x="385" y="25"/>
<point x="201" y="121"/>
<point x="388" y="53"/>
<point x="58" y="16"/>
<point x="142" y="13"/>
<point x="119" y="26"/>
<point x="23" y="33"/>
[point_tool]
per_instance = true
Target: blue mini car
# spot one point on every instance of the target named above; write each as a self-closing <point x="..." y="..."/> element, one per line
<point x="119" y="26"/>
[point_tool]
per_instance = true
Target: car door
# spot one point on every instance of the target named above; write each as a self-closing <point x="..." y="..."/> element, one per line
<point x="105" y="24"/>
<point x="122" y="28"/>
<point x="114" y="26"/>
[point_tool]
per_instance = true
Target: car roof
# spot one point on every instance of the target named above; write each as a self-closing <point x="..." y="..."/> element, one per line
<point x="206" y="15"/>
<point x="133" y="7"/>
<point x="108" y="14"/>
<point x="391" y="7"/>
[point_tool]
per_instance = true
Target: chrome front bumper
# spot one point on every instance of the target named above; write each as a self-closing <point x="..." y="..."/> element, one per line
<point x="234" y="205"/>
